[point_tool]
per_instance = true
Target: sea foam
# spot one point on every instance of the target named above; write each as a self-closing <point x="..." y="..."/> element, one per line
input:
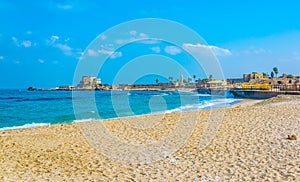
<point x="29" y="125"/>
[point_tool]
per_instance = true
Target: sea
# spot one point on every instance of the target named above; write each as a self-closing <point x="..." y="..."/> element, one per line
<point x="25" y="109"/>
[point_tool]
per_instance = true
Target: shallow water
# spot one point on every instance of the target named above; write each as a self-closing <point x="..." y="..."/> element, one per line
<point x="23" y="109"/>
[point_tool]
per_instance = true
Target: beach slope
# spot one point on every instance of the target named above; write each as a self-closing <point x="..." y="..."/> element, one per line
<point x="250" y="145"/>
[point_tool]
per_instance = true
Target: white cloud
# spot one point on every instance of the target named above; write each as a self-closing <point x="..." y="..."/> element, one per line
<point x="218" y="51"/>
<point x="112" y="54"/>
<point x="116" y="55"/>
<point x="41" y="61"/>
<point x="92" y="52"/>
<point x="173" y="50"/>
<point x="65" y="7"/>
<point x="67" y="50"/>
<point x="107" y="46"/>
<point x="143" y="35"/>
<point x="133" y="38"/>
<point x="54" y="38"/>
<point x="15" y="40"/>
<point x="155" y="49"/>
<point x="150" y="41"/>
<point x="133" y="32"/>
<point x="57" y="42"/>
<point x="125" y="41"/>
<point x="63" y="47"/>
<point x="103" y="51"/>
<point x="61" y="43"/>
<point x="26" y="43"/>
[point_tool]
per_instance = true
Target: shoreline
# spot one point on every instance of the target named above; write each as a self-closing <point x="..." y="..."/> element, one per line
<point x="250" y="144"/>
<point x="247" y="103"/>
<point x="38" y="124"/>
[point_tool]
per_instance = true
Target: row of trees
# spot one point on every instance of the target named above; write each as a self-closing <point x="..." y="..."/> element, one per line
<point x="189" y="80"/>
<point x="275" y="73"/>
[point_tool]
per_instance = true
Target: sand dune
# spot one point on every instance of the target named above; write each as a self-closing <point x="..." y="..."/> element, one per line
<point x="250" y="145"/>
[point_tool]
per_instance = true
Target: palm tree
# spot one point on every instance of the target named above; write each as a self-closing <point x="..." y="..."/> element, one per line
<point x="194" y="76"/>
<point x="156" y="80"/>
<point x="275" y="69"/>
<point x="272" y="74"/>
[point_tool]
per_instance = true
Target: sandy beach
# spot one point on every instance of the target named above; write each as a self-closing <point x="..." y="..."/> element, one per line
<point x="250" y="145"/>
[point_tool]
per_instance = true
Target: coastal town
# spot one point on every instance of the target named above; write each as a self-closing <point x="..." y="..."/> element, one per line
<point x="254" y="82"/>
<point x="159" y="91"/>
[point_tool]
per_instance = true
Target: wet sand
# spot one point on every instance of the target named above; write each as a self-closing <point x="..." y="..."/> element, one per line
<point x="250" y="145"/>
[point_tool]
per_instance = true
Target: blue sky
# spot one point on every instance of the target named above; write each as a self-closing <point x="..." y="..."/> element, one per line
<point x="41" y="41"/>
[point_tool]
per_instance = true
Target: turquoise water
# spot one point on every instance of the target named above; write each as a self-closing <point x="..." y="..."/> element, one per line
<point x="23" y="109"/>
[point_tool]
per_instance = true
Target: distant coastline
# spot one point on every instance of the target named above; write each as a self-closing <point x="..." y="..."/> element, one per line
<point x="254" y="85"/>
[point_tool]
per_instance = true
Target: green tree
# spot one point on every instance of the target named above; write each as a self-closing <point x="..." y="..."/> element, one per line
<point x="205" y="80"/>
<point x="275" y="69"/>
<point x="272" y="74"/>
<point x="156" y="80"/>
<point x="171" y="79"/>
<point x="194" y="76"/>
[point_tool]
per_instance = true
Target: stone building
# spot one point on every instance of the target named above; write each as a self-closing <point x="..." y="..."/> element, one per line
<point x="284" y="80"/>
<point x="89" y="82"/>
<point x="254" y="77"/>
